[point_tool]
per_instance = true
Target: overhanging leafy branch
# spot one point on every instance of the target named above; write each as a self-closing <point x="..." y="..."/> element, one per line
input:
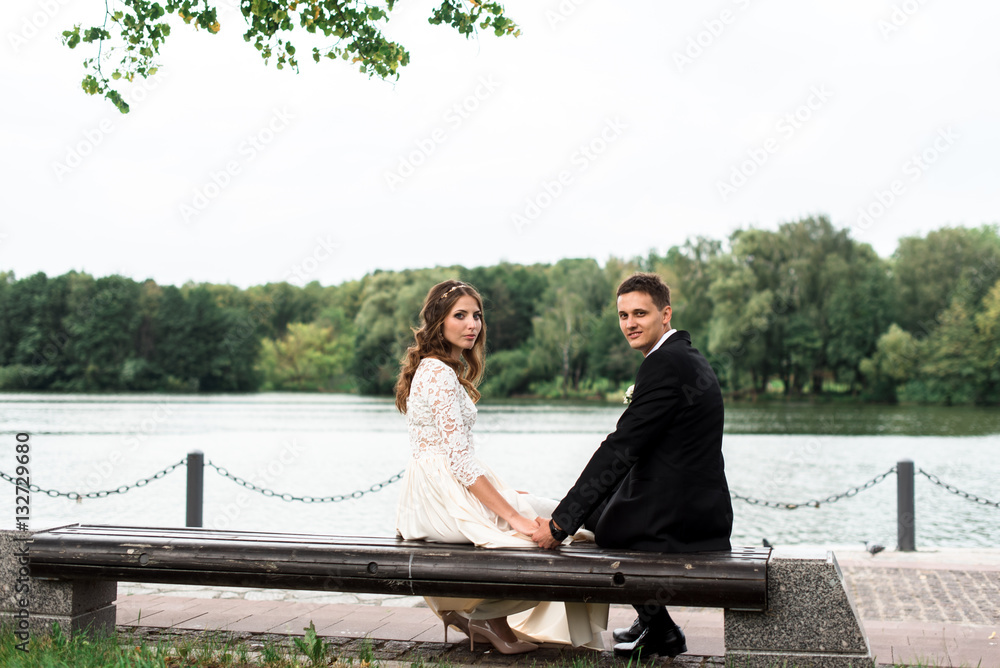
<point x="134" y="30"/>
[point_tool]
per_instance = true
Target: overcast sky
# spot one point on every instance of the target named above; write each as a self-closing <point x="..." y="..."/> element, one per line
<point x="605" y="129"/>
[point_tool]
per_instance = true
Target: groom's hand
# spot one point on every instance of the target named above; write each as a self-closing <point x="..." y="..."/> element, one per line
<point x="543" y="536"/>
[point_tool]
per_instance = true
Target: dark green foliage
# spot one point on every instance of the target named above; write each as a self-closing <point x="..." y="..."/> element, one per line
<point x="510" y="295"/>
<point x="929" y="271"/>
<point x="75" y="333"/>
<point x="803" y="308"/>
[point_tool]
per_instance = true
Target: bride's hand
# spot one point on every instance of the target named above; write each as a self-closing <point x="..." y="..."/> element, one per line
<point x="523" y="525"/>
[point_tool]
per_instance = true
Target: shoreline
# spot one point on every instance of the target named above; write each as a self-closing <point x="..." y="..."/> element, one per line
<point x="772" y="399"/>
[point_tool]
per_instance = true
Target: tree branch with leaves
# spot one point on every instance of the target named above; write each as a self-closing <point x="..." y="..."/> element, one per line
<point x="133" y="31"/>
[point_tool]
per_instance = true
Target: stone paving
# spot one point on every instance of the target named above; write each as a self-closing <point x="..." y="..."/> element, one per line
<point x="387" y="625"/>
<point x="925" y="595"/>
<point x="934" y="609"/>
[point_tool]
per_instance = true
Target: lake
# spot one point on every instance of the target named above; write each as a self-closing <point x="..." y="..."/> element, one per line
<point x="324" y="445"/>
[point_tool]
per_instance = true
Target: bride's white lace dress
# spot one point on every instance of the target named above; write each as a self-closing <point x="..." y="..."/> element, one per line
<point x="436" y="505"/>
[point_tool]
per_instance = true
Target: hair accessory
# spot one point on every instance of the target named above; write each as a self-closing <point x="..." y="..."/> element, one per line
<point x="448" y="291"/>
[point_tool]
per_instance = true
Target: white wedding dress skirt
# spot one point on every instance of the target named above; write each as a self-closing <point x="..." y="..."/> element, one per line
<point x="435" y="506"/>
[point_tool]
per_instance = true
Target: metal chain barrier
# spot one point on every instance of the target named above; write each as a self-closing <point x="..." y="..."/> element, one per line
<point x="955" y="490"/>
<point x="306" y="499"/>
<point x="142" y="482"/>
<point x="357" y="494"/>
<point x="814" y="503"/>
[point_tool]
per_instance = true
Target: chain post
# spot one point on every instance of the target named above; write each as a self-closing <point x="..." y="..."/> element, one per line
<point x="195" y="487"/>
<point x="905" y="507"/>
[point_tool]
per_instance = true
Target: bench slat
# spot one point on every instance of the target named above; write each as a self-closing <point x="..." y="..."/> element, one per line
<point x="581" y="572"/>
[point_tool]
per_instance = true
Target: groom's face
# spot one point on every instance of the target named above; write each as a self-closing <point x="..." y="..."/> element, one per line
<point x="642" y="323"/>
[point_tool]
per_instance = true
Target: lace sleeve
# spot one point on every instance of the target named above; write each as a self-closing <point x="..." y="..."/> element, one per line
<point x="445" y="397"/>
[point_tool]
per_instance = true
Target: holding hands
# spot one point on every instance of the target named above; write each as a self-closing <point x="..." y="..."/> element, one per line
<point x="523" y="525"/>
<point x="537" y="529"/>
<point x="543" y="536"/>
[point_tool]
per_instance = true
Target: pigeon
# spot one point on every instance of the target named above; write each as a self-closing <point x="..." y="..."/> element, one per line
<point x="874" y="548"/>
<point x="766" y="543"/>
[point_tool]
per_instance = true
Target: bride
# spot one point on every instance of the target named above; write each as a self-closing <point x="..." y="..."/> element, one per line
<point x="449" y="496"/>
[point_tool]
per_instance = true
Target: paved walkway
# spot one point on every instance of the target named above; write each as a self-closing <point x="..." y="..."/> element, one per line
<point x="939" y="608"/>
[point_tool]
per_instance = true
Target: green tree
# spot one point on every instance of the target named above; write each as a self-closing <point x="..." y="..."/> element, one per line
<point x="139" y="372"/>
<point x="345" y="297"/>
<point x="276" y="305"/>
<point x="32" y="337"/>
<point x="805" y="303"/>
<point x="958" y="359"/>
<point x="927" y="272"/>
<point x="102" y="321"/>
<point x="743" y="314"/>
<point x="859" y="306"/>
<point x="510" y="298"/>
<point x="894" y="363"/>
<point x="949" y="372"/>
<point x="390" y="309"/>
<point x="199" y="345"/>
<point x="568" y="313"/>
<point x="309" y="357"/>
<point x="987" y="347"/>
<point x="128" y="40"/>
<point x="691" y="268"/>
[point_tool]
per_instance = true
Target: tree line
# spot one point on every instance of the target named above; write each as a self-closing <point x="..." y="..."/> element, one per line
<point x="801" y="310"/>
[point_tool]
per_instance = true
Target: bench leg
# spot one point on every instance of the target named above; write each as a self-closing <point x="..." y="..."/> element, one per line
<point x="810" y="619"/>
<point x="30" y="605"/>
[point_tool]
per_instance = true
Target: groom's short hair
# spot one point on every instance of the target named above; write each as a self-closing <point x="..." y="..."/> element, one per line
<point x="651" y="284"/>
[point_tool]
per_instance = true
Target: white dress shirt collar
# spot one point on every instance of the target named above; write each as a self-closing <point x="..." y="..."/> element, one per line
<point x="660" y="342"/>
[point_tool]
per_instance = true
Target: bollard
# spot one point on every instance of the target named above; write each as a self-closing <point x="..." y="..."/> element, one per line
<point x="905" y="507"/>
<point x="195" y="487"/>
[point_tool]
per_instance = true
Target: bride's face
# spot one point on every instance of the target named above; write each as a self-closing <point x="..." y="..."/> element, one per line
<point x="462" y="325"/>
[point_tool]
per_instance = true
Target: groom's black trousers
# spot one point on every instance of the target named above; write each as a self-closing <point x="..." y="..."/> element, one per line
<point x="651" y="615"/>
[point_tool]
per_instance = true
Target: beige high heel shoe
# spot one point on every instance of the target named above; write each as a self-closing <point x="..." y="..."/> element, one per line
<point x="452" y="618"/>
<point x="484" y="629"/>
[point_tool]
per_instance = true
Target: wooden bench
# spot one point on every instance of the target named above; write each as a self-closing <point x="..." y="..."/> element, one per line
<point x="75" y="571"/>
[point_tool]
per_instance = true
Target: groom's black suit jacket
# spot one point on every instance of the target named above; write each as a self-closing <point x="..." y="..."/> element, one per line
<point x="661" y="471"/>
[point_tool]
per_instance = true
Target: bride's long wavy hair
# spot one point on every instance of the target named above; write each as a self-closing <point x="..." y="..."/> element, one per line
<point x="429" y="341"/>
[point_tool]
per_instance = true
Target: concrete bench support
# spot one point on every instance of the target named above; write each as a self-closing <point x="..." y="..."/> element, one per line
<point x="76" y="604"/>
<point x="810" y="620"/>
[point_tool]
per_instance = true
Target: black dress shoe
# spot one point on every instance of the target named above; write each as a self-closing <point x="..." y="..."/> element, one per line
<point x="631" y="634"/>
<point x="651" y="643"/>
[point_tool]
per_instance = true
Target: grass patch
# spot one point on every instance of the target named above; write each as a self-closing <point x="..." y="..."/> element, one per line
<point x="219" y="650"/>
<point x="209" y="650"/>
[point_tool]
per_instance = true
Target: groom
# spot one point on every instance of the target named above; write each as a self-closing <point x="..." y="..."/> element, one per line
<point x="657" y="483"/>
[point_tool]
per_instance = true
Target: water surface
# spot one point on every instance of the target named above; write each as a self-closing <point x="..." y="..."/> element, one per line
<point x="322" y="445"/>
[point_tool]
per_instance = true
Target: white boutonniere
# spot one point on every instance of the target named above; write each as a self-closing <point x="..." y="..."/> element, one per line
<point x="628" y="395"/>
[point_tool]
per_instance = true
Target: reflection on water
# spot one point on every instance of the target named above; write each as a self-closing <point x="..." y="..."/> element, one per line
<point x="321" y="445"/>
<point x="861" y="419"/>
